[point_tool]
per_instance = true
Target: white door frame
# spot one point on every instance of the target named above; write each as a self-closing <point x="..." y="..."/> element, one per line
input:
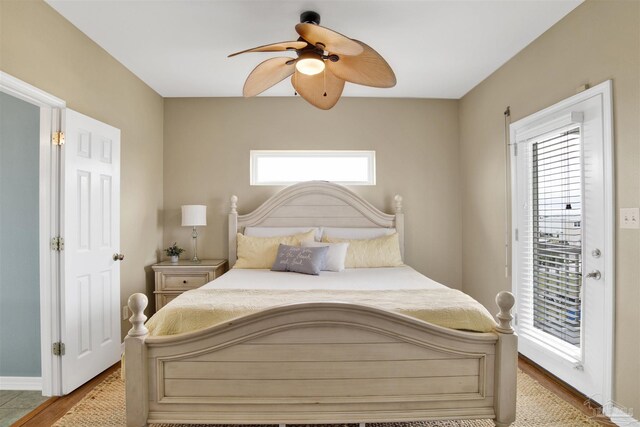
<point x="51" y="109"/>
<point x="605" y="89"/>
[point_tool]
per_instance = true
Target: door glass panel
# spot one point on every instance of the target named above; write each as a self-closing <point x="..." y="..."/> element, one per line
<point x="557" y="236"/>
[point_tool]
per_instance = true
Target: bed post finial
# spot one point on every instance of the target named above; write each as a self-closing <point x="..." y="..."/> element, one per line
<point x="233" y="229"/>
<point x="137" y="364"/>
<point x="504" y="391"/>
<point x="398" y="203"/>
<point x="137" y="303"/>
<point x="234" y="204"/>
<point x="505" y="301"/>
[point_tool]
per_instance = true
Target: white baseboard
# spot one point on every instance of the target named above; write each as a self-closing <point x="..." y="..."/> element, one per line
<point x="21" y="383"/>
<point x="621" y="418"/>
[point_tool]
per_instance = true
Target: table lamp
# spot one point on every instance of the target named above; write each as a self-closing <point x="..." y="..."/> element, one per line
<point x="193" y="216"/>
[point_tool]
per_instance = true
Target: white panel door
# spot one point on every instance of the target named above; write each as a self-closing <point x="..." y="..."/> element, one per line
<point x="90" y="226"/>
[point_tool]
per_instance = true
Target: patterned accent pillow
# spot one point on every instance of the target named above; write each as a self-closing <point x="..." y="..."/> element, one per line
<point x="300" y="260"/>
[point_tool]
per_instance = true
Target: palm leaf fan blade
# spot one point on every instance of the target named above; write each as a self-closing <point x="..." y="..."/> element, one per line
<point x="275" y="47"/>
<point x="267" y="74"/>
<point x="322" y="90"/>
<point x="368" y="68"/>
<point x="332" y="41"/>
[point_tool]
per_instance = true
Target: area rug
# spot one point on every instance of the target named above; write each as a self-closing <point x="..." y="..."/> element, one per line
<point x="537" y="407"/>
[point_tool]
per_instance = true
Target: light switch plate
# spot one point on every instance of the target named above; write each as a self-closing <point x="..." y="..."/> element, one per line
<point x="629" y="217"/>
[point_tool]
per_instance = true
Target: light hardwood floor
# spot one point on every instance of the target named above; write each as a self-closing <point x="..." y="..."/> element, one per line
<point x="53" y="409"/>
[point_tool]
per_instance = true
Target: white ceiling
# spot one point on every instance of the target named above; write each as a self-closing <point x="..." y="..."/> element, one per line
<point x="437" y="48"/>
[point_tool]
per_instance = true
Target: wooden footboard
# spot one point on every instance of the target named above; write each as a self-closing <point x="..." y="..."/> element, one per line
<point x="320" y="363"/>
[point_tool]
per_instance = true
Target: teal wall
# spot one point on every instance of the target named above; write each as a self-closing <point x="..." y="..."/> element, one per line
<point x="19" y="260"/>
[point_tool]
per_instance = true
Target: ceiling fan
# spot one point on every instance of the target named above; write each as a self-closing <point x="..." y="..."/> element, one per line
<point x="325" y="61"/>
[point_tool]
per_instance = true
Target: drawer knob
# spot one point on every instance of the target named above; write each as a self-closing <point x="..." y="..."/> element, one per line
<point x="184" y="281"/>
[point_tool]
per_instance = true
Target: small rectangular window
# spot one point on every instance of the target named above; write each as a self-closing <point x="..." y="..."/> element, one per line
<point x="284" y="167"/>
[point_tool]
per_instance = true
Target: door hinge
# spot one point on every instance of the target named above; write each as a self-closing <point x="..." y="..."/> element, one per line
<point x="515" y="319"/>
<point x="57" y="244"/>
<point x="57" y="138"/>
<point x="516" y="234"/>
<point x="515" y="150"/>
<point x="58" y="349"/>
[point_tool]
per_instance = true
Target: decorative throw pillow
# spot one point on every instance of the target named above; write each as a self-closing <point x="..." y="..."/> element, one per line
<point x="299" y="259"/>
<point x="380" y="252"/>
<point x="260" y="252"/>
<point x="336" y="254"/>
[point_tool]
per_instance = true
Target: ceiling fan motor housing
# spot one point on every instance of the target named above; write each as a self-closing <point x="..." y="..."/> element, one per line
<point x="310" y="17"/>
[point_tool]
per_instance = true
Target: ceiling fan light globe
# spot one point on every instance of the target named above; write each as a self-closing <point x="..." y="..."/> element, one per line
<point x="310" y="66"/>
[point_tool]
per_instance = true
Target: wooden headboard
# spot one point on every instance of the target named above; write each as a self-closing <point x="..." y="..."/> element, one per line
<point x="314" y="204"/>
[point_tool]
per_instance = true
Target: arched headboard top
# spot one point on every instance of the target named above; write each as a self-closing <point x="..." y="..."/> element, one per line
<point x="314" y="204"/>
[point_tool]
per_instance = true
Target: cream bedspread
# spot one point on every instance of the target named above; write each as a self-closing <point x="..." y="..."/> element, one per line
<point x="200" y="308"/>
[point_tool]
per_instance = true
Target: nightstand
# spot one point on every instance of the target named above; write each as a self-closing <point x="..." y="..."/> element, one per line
<point x="172" y="279"/>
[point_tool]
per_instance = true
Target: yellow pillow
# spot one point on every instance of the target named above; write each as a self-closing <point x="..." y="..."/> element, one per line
<point x="381" y="252"/>
<point x="260" y="252"/>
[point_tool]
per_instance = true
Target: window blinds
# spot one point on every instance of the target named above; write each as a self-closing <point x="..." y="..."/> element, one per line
<point x="552" y="237"/>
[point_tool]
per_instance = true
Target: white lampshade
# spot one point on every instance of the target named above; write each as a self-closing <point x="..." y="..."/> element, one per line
<point x="194" y="215"/>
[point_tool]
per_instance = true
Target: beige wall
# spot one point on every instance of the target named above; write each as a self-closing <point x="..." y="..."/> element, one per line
<point x="42" y="48"/>
<point x="206" y="160"/>
<point x="446" y="161"/>
<point x="600" y="40"/>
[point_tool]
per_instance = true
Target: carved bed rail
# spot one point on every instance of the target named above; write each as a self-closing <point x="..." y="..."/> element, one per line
<point x="320" y="363"/>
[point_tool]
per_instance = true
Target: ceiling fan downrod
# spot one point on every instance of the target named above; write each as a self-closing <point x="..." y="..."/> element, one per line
<point x="310" y="17"/>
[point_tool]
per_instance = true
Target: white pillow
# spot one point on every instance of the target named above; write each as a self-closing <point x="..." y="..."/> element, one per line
<point x="355" y="233"/>
<point x="336" y="254"/>
<point x="280" y="231"/>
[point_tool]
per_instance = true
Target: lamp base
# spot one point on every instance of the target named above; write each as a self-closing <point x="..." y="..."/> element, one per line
<point x="194" y="238"/>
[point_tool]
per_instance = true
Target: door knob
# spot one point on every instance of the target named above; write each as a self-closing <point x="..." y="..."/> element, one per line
<point x="595" y="274"/>
<point x="118" y="257"/>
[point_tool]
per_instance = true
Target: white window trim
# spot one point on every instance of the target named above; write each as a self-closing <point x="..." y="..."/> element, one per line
<point x="257" y="154"/>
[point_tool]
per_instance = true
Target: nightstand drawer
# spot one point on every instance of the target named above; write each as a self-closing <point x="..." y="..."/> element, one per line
<point x="172" y="278"/>
<point x="182" y="281"/>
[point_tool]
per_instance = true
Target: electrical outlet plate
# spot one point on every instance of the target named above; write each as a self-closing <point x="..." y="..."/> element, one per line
<point x="629" y="217"/>
<point x="125" y="312"/>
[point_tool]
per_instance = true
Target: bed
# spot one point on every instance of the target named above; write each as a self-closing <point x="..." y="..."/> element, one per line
<point x="319" y="360"/>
